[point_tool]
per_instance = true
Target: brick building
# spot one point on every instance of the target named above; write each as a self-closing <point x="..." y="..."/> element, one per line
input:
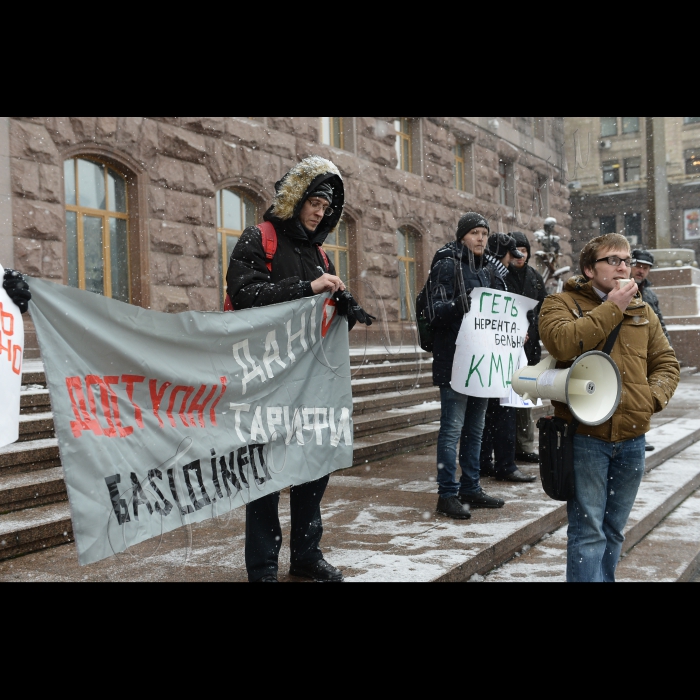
<point x="607" y="167"/>
<point x="147" y="209"/>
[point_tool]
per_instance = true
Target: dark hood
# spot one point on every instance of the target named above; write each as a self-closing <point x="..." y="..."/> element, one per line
<point x="294" y="189"/>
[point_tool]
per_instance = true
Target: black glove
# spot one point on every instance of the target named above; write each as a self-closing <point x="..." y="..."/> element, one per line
<point x="464" y="304"/>
<point x="17" y="289"/>
<point x="347" y="306"/>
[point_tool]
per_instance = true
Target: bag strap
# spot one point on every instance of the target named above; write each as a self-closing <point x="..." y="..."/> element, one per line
<point x="325" y="259"/>
<point x="612" y="340"/>
<point x="269" y="241"/>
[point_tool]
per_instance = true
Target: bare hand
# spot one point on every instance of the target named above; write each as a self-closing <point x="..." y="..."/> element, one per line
<point x="623" y="297"/>
<point x="327" y="283"/>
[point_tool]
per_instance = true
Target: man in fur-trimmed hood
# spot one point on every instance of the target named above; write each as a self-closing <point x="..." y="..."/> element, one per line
<point x="308" y="206"/>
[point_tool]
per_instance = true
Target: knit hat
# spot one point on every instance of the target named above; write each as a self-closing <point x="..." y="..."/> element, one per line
<point x="469" y="222"/>
<point x="324" y="191"/>
<point x="644" y="257"/>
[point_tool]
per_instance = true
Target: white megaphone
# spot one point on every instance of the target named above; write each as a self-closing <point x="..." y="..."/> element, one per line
<point x="592" y="388"/>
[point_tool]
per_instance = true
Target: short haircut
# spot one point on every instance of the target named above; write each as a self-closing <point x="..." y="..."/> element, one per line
<point x="591" y="253"/>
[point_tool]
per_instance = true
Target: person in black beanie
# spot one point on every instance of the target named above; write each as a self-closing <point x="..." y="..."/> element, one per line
<point x="457" y="269"/>
<point x="501" y="429"/>
<point x="17" y="289"/>
<point x="527" y="282"/>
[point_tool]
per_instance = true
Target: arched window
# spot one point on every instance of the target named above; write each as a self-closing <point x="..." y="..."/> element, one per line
<point x="337" y="247"/>
<point x="97" y="228"/>
<point x="407" y="272"/>
<point x="235" y="212"/>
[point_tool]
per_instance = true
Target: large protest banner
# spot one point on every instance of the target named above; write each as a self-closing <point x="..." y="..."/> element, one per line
<point x="490" y="343"/>
<point x="168" y="420"/>
<point x="11" y="354"/>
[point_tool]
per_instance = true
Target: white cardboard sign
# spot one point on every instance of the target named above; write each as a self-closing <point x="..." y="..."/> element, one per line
<point x="490" y="343"/>
<point x="11" y="355"/>
<point x="516" y="401"/>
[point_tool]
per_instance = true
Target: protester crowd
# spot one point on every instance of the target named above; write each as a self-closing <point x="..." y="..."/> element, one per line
<point x="283" y="260"/>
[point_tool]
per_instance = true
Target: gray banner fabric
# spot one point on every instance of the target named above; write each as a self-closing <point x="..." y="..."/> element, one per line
<point x="168" y="420"/>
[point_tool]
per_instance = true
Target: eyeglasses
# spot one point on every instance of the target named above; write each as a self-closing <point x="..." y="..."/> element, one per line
<point x="615" y="262"/>
<point x="321" y="205"/>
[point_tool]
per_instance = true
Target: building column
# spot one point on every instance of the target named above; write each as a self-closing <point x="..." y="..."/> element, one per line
<point x="7" y="258"/>
<point x="657" y="184"/>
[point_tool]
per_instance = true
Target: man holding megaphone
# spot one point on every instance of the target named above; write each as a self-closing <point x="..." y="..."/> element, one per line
<point x="603" y="311"/>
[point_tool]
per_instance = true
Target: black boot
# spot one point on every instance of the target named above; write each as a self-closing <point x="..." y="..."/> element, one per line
<point x="453" y="508"/>
<point x="531" y="458"/>
<point x="481" y="500"/>
<point x="488" y="470"/>
<point x="517" y="477"/>
<point x="320" y="571"/>
<point x="268" y="579"/>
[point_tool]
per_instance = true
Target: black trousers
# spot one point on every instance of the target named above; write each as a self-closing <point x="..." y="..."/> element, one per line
<point x="264" y="532"/>
<point x="499" y="439"/>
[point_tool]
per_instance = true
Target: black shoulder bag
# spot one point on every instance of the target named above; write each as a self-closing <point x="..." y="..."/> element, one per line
<point x="557" y="448"/>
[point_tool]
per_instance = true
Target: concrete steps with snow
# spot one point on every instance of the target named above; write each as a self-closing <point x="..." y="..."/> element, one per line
<point x="22" y="491"/>
<point x="671" y="552"/>
<point x="665" y="487"/>
<point x="34" y="530"/>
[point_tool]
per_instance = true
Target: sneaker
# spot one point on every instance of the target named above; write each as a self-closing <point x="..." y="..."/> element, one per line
<point x="517" y="477"/>
<point x="320" y="571"/>
<point x="481" y="500"/>
<point x="453" y="508"/>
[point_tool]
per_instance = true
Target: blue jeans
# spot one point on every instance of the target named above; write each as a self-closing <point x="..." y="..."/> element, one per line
<point x="608" y="477"/>
<point x="463" y="418"/>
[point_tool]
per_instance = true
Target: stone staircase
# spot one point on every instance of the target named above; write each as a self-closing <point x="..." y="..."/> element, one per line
<point x="396" y="410"/>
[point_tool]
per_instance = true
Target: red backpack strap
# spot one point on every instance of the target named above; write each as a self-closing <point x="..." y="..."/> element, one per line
<point x="325" y="258"/>
<point x="269" y="241"/>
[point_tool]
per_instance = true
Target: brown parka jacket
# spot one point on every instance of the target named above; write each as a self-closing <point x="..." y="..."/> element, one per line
<point x="648" y="365"/>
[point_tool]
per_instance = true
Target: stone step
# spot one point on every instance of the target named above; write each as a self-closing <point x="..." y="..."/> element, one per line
<point x="396" y="419"/>
<point x="36" y="426"/>
<point x="376" y="447"/>
<point x="371" y="371"/>
<point x="31" y="456"/>
<point x="33" y="372"/>
<point x="663" y="490"/>
<point x="23" y="491"/>
<point x="391" y="400"/>
<point x="34" y="530"/>
<point x="670" y="553"/>
<point x="360" y="356"/>
<point x="401" y="383"/>
<point x="35" y="401"/>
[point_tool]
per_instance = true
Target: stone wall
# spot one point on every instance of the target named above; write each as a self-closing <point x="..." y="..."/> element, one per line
<point x="176" y="165"/>
<point x="6" y="246"/>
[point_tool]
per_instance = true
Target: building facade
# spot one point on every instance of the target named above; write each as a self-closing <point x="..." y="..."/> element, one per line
<point x="607" y="169"/>
<point x="148" y="209"/>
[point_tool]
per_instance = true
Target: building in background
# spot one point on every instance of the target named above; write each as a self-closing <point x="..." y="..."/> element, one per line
<point x="148" y="209"/>
<point x="607" y="170"/>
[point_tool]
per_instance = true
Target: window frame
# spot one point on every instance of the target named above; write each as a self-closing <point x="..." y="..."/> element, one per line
<point x="223" y="233"/>
<point x="105" y="215"/>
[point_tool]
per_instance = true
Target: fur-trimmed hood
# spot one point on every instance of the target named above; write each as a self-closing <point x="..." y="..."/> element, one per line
<point x="296" y="186"/>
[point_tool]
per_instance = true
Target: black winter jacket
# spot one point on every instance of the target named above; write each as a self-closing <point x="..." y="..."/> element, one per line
<point x="443" y="291"/>
<point x="649" y="296"/>
<point x="527" y="282"/>
<point x="298" y="261"/>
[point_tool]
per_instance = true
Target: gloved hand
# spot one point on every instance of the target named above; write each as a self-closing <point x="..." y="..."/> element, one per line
<point x="464" y="304"/>
<point x="17" y="289"/>
<point x="348" y="306"/>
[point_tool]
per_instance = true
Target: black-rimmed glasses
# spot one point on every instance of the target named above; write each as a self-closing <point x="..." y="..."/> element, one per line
<point x="615" y="261"/>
